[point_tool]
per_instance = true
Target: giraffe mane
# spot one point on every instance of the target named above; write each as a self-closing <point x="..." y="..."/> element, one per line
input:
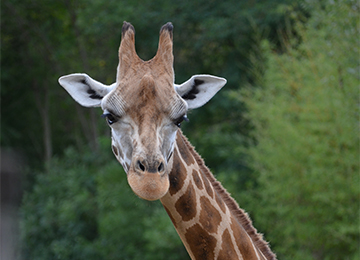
<point x="240" y="215"/>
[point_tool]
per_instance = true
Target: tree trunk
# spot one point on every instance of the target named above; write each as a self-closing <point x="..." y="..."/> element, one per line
<point x="92" y="125"/>
<point x="47" y="127"/>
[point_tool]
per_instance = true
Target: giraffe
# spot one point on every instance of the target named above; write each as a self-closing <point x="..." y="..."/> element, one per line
<point x="144" y="109"/>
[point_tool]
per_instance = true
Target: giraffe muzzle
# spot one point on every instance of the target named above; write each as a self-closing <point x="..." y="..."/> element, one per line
<point x="153" y="167"/>
<point x="149" y="179"/>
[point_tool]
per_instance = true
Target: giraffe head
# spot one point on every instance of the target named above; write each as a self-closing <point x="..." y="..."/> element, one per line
<point x="144" y="109"/>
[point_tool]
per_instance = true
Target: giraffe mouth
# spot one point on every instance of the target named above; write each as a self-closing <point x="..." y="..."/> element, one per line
<point x="148" y="185"/>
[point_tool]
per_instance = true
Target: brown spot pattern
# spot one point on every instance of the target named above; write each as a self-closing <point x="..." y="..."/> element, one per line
<point x="177" y="175"/>
<point x="188" y="158"/>
<point x="220" y="202"/>
<point x="170" y="215"/>
<point x="227" y="251"/>
<point x="242" y="240"/>
<point x="197" y="180"/>
<point x="208" y="188"/>
<point x="186" y="204"/>
<point x="201" y="243"/>
<point x="210" y="218"/>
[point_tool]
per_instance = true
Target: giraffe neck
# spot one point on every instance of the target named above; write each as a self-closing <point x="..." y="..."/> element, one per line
<point x="208" y="221"/>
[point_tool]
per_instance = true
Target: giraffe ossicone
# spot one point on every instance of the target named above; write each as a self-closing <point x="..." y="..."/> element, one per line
<point x="144" y="109"/>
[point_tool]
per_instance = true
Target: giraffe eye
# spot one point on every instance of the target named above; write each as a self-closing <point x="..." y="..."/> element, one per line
<point x="178" y="121"/>
<point x="110" y="118"/>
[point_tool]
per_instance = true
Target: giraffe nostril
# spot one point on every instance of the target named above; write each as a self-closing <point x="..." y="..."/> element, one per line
<point x="140" y="166"/>
<point x="161" y="167"/>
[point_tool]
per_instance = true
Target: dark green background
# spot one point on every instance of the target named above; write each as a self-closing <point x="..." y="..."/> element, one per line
<point x="282" y="136"/>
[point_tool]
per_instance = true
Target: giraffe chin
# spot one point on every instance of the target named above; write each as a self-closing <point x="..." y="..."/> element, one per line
<point x="149" y="186"/>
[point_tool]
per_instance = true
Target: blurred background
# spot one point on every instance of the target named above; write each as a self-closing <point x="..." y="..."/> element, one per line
<point x="282" y="136"/>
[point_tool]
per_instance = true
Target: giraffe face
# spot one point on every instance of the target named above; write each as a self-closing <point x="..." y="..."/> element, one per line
<point x="144" y="109"/>
<point x="143" y="112"/>
<point x="144" y="116"/>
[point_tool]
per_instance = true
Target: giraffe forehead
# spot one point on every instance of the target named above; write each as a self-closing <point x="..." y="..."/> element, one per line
<point x="146" y="97"/>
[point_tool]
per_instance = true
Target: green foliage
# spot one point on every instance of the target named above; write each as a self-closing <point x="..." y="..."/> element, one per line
<point x="83" y="208"/>
<point x="306" y="155"/>
<point x="59" y="216"/>
<point x="292" y="161"/>
<point x="60" y="37"/>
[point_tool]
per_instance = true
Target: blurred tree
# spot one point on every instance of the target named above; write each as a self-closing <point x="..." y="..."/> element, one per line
<point x="84" y="208"/>
<point x="306" y="155"/>
<point x="59" y="37"/>
<point x="36" y="43"/>
<point x="59" y="216"/>
<point x="78" y="201"/>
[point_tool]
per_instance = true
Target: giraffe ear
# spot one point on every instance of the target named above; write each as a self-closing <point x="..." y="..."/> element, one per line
<point x="85" y="90"/>
<point x="199" y="89"/>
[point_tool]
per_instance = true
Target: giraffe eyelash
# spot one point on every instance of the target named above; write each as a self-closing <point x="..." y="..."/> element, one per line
<point x="178" y="121"/>
<point x="110" y="118"/>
